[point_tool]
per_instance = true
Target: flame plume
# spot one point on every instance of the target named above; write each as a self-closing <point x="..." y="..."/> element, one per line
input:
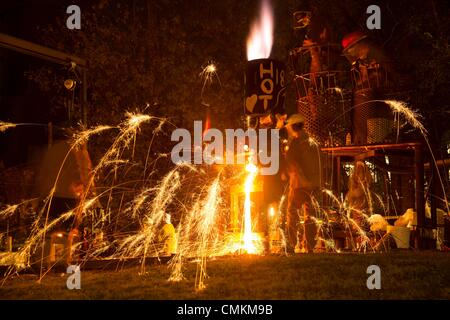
<point x="259" y="43"/>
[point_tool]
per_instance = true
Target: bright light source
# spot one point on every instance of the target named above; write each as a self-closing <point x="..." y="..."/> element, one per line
<point x="271" y="212"/>
<point x="251" y="168"/>
<point x="259" y="43"/>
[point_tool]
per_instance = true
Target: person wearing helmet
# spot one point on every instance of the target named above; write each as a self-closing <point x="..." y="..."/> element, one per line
<point x="302" y="166"/>
<point x="366" y="58"/>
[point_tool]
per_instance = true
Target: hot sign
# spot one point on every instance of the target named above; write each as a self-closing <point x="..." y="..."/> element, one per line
<point x="264" y="87"/>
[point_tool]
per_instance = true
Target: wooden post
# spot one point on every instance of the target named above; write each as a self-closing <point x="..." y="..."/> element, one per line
<point x="9" y="242"/>
<point x="338" y="176"/>
<point x="434" y="194"/>
<point x="420" y="202"/>
<point x="84" y="98"/>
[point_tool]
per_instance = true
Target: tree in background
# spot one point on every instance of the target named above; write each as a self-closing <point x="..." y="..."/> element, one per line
<point x="148" y="54"/>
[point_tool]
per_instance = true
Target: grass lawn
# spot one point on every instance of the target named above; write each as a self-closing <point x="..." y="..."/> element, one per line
<point x="404" y="275"/>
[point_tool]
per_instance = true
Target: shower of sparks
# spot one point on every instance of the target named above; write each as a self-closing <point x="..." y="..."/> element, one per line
<point x="83" y="136"/>
<point x="208" y="74"/>
<point x="363" y="241"/>
<point x="12" y="208"/>
<point x="138" y="202"/>
<point x="200" y="233"/>
<point x="143" y="243"/>
<point x="208" y="215"/>
<point x="330" y="193"/>
<point x="38" y="233"/>
<point x="9" y="210"/>
<point x="413" y="118"/>
<point x="410" y="115"/>
<point x="135" y="120"/>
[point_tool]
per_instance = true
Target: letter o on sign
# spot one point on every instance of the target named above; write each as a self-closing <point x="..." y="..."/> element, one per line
<point x="268" y="89"/>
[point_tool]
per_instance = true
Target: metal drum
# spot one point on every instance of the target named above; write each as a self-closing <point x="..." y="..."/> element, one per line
<point x="325" y="106"/>
<point x="265" y="85"/>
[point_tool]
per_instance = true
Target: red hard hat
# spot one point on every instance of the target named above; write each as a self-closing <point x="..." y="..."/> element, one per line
<point x="352" y="38"/>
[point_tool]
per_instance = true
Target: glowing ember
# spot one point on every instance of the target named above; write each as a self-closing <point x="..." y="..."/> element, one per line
<point x="259" y="43"/>
<point x="6" y="125"/>
<point x="9" y="210"/>
<point x="271" y="212"/>
<point x="411" y="116"/>
<point x="313" y="142"/>
<point x="210" y="68"/>
<point x="135" y="120"/>
<point x="208" y="72"/>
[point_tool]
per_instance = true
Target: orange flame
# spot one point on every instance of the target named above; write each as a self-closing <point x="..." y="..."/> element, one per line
<point x="249" y="236"/>
<point x="207" y="122"/>
<point x="259" y="43"/>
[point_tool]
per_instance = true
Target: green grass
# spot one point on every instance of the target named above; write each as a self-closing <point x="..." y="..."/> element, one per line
<point x="404" y="275"/>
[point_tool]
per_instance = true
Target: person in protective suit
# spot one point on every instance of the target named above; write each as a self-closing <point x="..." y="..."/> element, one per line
<point x="302" y="165"/>
<point x="168" y="237"/>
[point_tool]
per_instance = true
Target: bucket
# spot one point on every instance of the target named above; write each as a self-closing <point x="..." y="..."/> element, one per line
<point x="400" y="235"/>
